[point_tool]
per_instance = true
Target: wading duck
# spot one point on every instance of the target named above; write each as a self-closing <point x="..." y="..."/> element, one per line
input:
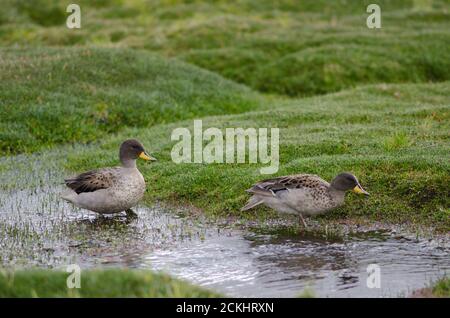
<point x="111" y="190"/>
<point x="303" y="194"/>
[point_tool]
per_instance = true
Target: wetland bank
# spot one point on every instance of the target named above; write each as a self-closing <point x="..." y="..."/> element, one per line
<point x="269" y="259"/>
<point x="345" y="98"/>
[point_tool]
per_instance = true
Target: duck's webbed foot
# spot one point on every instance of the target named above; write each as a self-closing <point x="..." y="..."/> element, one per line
<point x="302" y="222"/>
<point x="130" y="213"/>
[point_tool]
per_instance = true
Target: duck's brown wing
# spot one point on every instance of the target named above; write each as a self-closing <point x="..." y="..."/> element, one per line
<point x="93" y="180"/>
<point x="270" y="187"/>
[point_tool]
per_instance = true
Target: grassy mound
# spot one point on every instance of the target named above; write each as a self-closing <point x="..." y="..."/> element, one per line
<point x="124" y="74"/>
<point x="296" y="48"/>
<point x="52" y="96"/>
<point x="96" y="283"/>
<point x="393" y="137"/>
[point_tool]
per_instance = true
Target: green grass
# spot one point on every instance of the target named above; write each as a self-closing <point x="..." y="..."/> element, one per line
<point x="125" y="78"/>
<point x="295" y="48"/>
<point x="437" y="289"/>
<point x="442" y="288"/>
<point x="54" y="96"/>
<point x="288" y="48"/>
<point x="142" y="68"/>
<point x="96" y="283"/>
<point x="393" y="137"/>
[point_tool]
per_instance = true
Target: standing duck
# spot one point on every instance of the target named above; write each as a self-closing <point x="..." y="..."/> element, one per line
<point x="303" y="194"/>
<point x="111" y="190"/>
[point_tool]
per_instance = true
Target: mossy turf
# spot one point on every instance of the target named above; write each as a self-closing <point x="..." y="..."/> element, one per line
<point x="125" y="74"/>
<point x="295" y="48"/>
<point x="126" y="78"/>
<point x="52" y="96"/>
<point x="393" y="137"/>
<point x="95" y="283"/>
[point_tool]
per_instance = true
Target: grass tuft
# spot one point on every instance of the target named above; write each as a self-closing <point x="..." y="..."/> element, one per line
<point x="55" y="96"/>
<point x="95" y="283"/>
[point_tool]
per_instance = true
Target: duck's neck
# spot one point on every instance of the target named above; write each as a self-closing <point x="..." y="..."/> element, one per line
<point x="337" y="196"/>
<point x="128" y="163"/>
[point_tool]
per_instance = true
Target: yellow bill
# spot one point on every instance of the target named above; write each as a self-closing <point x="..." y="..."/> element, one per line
<point x="358" y="189"/>
<point x="146" y="156"/>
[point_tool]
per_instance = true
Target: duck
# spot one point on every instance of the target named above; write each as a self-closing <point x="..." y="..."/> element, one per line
<point x="112" y="189"/>
<point x="303" y="194"/>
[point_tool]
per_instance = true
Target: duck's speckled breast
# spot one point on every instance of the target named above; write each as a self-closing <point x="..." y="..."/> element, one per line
<point x="129" y="189"/>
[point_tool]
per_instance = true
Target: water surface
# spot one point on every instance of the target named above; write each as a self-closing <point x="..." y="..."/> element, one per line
<point x="38" y="229"/>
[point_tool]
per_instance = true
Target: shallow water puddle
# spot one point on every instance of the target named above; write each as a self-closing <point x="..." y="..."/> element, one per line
<point x="256" y="266"/>
<point x="39" y="229"/>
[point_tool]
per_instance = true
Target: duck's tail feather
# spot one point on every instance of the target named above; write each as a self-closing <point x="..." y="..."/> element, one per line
<point x="252" y="202"/>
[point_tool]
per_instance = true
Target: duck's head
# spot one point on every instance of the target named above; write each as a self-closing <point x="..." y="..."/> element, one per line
<point x="131" y="150"/>
<point x="346" y="181"/>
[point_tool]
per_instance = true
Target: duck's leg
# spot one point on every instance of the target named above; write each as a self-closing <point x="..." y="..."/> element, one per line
<point x="302" y="221"/>
<point x="130" y="213"/>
